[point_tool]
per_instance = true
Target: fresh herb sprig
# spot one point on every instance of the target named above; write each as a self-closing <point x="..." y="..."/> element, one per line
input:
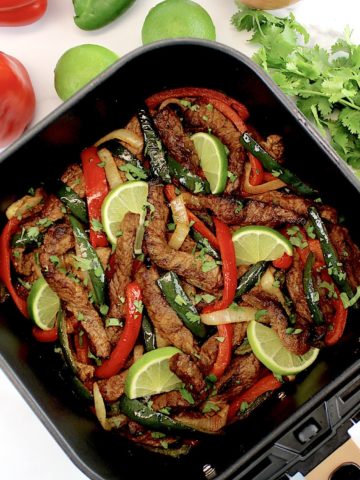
<point x="324" y="83"/>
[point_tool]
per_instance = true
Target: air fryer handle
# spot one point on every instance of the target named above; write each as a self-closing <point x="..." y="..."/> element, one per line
<point x="311" y="440"/>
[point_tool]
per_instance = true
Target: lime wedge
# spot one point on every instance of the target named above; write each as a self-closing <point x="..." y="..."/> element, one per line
<point x="128" y="197"/>
<point x="255" y="244"/>
<point x="43" y="304"/>
<point x="213" y="160"/>
<point x="268" y="348"/>
<point x="151" y="374"/>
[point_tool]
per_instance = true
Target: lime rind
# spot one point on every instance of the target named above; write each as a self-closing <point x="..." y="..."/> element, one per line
<point x="213" y="160"/>
<point x="43" y="304"/>
<point x="259" y="243"/>
<point x="151" y="374"/>
<point x="269" y="350"/>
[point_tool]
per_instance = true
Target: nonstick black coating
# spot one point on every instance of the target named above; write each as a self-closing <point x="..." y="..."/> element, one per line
<point x="42" y="153"/>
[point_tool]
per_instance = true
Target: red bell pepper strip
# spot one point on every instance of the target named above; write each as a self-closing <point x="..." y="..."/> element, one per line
<point x="229" y="113"/>
<point x="284" y="262"/>
<point x="129" y="335"/>
<point x="257" y="171"/>
<point x="5" y="264"/>
<point x="96" y="190"/>
<point x="197" y="225"/>
<point x="155" y="100"/>
<point x="17" y="13"/>
<point x="227" y="252"/>
<point x="45" y="336"/>
<point x="265" y="384"/>
<point x="82" y="347"/>
<point x="17" y="99"/>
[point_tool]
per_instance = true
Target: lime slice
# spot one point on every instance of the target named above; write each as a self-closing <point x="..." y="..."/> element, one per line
<point x="127" y="197"/>
<point x="268" y="348"/>
<point x="255" y="244"/>
<point x="43" y="304"/>
<point x="151" y="374"/>
<point x="213" y="160"/>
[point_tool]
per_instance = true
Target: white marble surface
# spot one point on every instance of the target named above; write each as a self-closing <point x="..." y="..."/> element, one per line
<point x="26" y="449"/>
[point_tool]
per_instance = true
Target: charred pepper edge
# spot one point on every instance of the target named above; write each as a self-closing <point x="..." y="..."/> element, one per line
<point x="72" y="201"/>
<point x="250" y="278"/>
<point x="311" y="292"/>
<point x="271" y="165"/>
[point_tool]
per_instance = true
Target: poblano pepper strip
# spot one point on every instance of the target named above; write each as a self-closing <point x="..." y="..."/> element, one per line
<point x="186" y="178"/>
<point x="272" y="166"/>
<point x="250" y="278"/>
<point x="311" y="293"/>
<point x="148" y="334"/>
<point x="88" y="253"/>
<point x="154" y="149"/>
<point x="72" y="201"/>
<point x="330" y="256"/>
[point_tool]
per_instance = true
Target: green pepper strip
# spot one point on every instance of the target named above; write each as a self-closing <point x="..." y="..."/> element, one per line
<point x="154" y="148"/>
<point x="94" y="14"/>
<point x="329" y="252"/>
<point x="73" y="202"/>
<point x="137" y="411"/>
<point x="118" y="150"/>
<point x="64" y="343"/>
<point x="311" y="294"/>
<point x="204" y="242"/>
<point x="148" y="334"/>
<point x="250" y="278"/>
<point x="186" y="178"/>
<point x="270" y="164"/>
<point x="178" y="300"/>
<point x="96" y="273"/>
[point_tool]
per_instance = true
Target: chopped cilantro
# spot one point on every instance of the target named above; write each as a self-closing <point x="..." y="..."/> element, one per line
<point x="350" y="302"/>
<point x="260" y="313"/>
<point x="210" y="407"/>
<point x="104" y="309"/>
<point x="165" y="410"/>
<point x="54" y="259"/>
<point x="138" y="305"/>
<point x="132" y="172"/>
<point x="164" y="444"/>
<point x="179" y="300"/>
<point x="187" y="395"/>
<point x="192" y="317"/>
<point x="93" y="357"/>
<point x="243" y="407"/>
<point x="112" y="322"/>
<point x="231" y="176"/>
<point x="198" y="187"/>
<point x="80" y="316"/>
<point x="96" y="225"/>
<point x="220" y="339"/>
<point x="171" y="227"/>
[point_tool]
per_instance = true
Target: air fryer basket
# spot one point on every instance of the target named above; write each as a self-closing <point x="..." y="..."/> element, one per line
<point x="282" y="434"/>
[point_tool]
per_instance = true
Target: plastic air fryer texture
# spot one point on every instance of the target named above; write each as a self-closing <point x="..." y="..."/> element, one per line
<point x="284" y="431"/>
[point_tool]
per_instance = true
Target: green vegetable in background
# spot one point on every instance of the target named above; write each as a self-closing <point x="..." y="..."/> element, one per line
<point x="94" y="14"/>
<point x="79" y="65"/>
<point x="325" y="84"/>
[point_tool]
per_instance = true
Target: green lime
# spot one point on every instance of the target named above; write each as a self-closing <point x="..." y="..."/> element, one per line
<point x="255" y="244"/>
<point x="151" y="374"/>
<point x="213" y="160"/>
<point x="79" y="65"/>
<point x="177" y="18"/>
<point x="43" y="304"/>
<point x="268" y="348"/>
<point x="127" y="197"/>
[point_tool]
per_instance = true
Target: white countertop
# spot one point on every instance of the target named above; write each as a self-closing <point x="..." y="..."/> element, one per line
<point x="27" y="450"/>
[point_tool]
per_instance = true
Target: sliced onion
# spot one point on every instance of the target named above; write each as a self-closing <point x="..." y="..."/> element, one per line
<point x="267" y="284"/>
<point x="264" y="187"/>
<point x="23" y="205"/>
<point x="123" y="135"/>
<point x="111" y="170"/>
<point x="229" y="315"/>
<point x="140" y="234"/>
<point x="181" y="220"/>
<point x="168" y="101"/>
<point x="100" y="408"/>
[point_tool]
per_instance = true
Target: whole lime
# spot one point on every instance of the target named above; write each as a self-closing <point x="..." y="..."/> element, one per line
<point x="79" y="65"/>
<point x="177" y="18"/>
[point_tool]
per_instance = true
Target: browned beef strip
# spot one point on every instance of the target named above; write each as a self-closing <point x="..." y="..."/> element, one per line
<point x="205" y="118"/>
<point x="294" y="203"/>
<point x="165" y="320"/>
<point x="184" y="264"/>
<point x="241" y="374"/>
<point x="177" y="143"/>
<point x="188" y="371"/>
<point x="294" y="283"/>
<point x="257" y="213"/>
<point x="25" y="263"/>
<point x="296" y="343"/>
<point x="112" y="388"/>
<point x="58" y="240"/>
<point x="85" y="372"/>
<point x="226" y="209"/>
<point x="104" y="254"/>
<point x="52" y="210"/>
<point x="74" y="178"/>
<point x="274" y="145"/>
<point x="211" y="422"/>
<point x="123" y="264"/>
<point x="208" y="354"/>
<point x="348" y="253"/>
<point x="239" y="333"/>
<point x="172" y="399"/>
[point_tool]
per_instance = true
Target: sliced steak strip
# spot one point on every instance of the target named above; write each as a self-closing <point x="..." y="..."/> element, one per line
<point x="163" y="317"/>
<point x="294" y="284"/>
<point x="184" y="264"/>
<point x="298" y="343"/>
<point x="74" y="178"/>
<point x="177" y="143"/>
<point x="226" y="209"/>
<point x="205" y="118"/>
<point x="58" y="240"/>
<point x="112" y="388"/>
<point x="241" y="374"/>
<point x="123" y="265"/>
<point x="271" y="216"/>
<point x="172" y="399"/>
<point x="348" y="252"/>
<point x="188" y="371"/>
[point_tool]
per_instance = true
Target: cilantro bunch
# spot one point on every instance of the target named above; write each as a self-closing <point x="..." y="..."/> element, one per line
<point x="325" y="84"/>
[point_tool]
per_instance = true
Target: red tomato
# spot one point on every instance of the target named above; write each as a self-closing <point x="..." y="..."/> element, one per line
<point x="17" y="99"/>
